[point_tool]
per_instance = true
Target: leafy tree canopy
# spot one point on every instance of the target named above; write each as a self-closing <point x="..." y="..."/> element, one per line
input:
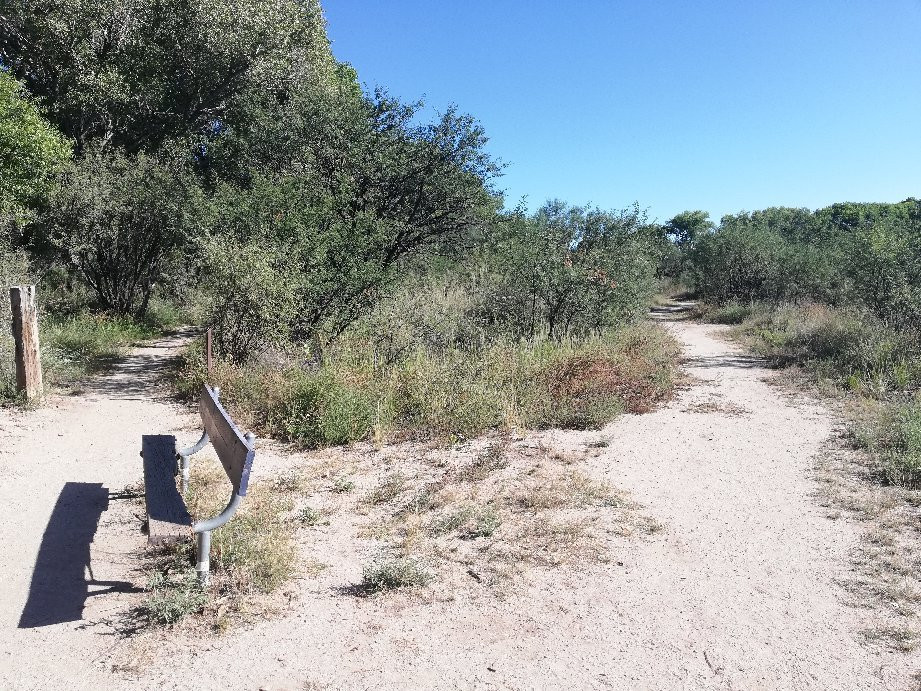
<point x="32" y="152"/>
<point x="136" y="73"/>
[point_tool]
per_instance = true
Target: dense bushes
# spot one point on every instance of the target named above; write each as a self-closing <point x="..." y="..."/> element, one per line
<point x="567" y="271"/>
<point x="31" y="154"/>
<point x="121" y="222"/>
<point x="353" y="394"/>
<point x="848" y="345"/>
<point x="837" y="291"/>
<point x="860" y="254"/>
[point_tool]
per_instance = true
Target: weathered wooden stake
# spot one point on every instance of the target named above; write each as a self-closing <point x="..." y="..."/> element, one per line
<point x="25" y="335"/>
<point x="209" y="351"/>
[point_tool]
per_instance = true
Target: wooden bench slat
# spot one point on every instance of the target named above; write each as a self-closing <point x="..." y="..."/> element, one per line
<point x="230" y="445"/>
<point x="168" y="518"/>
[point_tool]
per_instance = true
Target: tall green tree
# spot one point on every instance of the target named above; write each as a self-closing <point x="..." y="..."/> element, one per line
<point x="32" y="154"/>
<point x="567" y="271"/>
<point x="684" y="228"/>
<point x="122" y="222"/>
<point x="137" y="73"/>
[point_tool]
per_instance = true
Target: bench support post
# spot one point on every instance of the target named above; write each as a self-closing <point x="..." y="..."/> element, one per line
<point x="203" y="550"/>
<point x="202" y="530"/>
<point x="184" y="469"/>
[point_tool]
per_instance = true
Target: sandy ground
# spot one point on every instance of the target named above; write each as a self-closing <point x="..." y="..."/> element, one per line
<point x="739" y="590"/>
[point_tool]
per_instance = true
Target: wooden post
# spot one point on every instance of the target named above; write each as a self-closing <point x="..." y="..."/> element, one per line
<point x="209" y="351"/>
<point x="25" y="335"/>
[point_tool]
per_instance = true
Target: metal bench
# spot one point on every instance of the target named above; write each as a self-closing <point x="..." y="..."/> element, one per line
<point x="168" y="518"/>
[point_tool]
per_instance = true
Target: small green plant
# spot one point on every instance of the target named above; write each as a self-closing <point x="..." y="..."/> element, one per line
<point x="387" y="572"/>
<point x="469" y="522"/>
<point x="311" y="517"/>
<point x="342" y="484"/>
<point x="173" y="596"/>
<point x="483" y="523"/>
<point x="897" y="444"/>
<point x="730" y="313"/>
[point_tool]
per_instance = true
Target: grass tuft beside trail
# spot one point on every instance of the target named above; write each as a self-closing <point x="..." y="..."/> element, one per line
<point x="352" y="395"/>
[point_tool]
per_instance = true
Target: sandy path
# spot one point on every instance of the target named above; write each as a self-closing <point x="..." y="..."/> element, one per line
<point x="738" y="591"/>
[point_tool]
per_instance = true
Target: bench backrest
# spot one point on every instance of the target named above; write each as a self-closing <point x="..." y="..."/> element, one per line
<point x="234" y="452"/>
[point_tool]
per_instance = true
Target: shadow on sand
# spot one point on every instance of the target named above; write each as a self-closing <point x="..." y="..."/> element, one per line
<point x="63" y="573"/>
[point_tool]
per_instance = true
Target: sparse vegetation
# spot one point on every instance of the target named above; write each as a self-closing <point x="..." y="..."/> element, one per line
<point x="251" y="556"/>
<point x="505" y="508"/>
<point x="174" y="592"/>
<point x="311" y="517"/>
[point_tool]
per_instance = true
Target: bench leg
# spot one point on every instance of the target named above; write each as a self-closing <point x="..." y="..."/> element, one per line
<point x="185" y="474"/>
<point x="204" y="557"/>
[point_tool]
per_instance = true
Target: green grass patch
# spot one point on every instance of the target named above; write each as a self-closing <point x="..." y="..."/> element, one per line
<point x="731" y="313"/>
<point x="450" y="392"/>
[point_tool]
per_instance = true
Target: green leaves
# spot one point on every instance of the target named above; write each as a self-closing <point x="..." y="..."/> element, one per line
<point x="119" y="220"/>
<point x="568" y="271"/>
<point x="138" y="74"/>
<point x="32" y="153"/>
<point x="863" y="254"/>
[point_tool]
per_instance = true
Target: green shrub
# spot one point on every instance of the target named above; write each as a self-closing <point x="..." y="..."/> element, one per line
<point x="903" y="462"/>
<point x="730" y="313"/>
<point x="124" y="222"/>
<point x="448" y="393"/>
<point x="894" y="440"/>
<point x="847" y="345"/>
<point x="390" y="572"/>
<point x="318" y="410"/>
<point x="173" y="591"/>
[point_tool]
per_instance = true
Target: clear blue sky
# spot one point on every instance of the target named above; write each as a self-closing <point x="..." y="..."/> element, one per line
<point x="721" y="106"/>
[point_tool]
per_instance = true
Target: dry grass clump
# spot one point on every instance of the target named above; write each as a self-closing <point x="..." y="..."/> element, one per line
<point x="714" y="405"/>
<point x="550" y="488"/>
<point x="388" y="489"/>
<point x="449" y="393"/>
<point x="884" y="577"/>
<point x="493" y="516"/>
<point x="253" y="555"/>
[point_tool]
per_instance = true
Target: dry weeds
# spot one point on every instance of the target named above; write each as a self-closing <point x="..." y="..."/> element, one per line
<point x="472" y="515"/>
<point x="886" y="563"/>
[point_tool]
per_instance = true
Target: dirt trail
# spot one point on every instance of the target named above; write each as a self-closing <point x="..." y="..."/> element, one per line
<point x="740" y="590"/>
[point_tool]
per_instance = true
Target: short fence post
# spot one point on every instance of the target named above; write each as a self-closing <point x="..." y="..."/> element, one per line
<point x="25" y="336"/>
<point x="209" y="351"/>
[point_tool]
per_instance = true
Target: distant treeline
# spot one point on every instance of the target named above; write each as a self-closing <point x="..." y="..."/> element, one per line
<point x="867" y="255"/>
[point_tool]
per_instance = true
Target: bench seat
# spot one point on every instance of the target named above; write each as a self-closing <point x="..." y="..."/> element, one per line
<point x="168" y="520"/>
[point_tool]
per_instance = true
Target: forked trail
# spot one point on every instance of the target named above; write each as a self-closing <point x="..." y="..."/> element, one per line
<point x="741" y="589"/>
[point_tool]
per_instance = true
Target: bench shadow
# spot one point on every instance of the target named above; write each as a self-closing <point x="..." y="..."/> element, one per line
<point x="60" y="585"/>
